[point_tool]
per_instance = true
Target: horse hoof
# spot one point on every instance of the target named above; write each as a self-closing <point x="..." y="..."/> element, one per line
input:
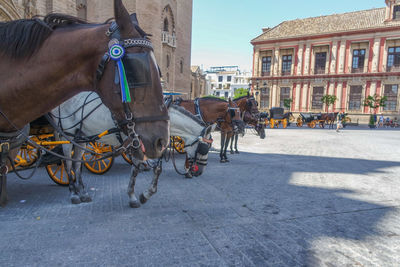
<point x="86" y="198"/>
<point x="75" y="200"/>
<point x="188" y="175"/>
<point x="232" y="152"/>
<point x="237" y="152"/>
<point x="222" y="161"/>
<point x="226" y="160"/>
<point x="142" y="199"/>
<point x="134" y="204"/>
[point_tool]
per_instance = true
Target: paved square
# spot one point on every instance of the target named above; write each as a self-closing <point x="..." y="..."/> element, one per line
<point x="301" y="197"/>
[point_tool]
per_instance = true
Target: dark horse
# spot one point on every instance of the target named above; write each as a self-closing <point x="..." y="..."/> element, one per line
<point x="45" y="62"/>
<point x="215" y="110"/>
<point x="250" y="116"/>
<point x="329" y="119"/>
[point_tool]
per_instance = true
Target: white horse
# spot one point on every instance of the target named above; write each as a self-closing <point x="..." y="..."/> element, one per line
<point x="85" y="115"/>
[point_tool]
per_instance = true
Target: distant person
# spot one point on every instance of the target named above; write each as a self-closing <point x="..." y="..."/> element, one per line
<point x="339" y="121"/>
<point x="375" y="119"/>
<point x="381" y="120"/>
<point x="387" y="124"/>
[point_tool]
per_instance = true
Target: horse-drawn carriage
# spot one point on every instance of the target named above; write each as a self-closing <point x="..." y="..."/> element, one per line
<point x="311" y="119"/>
<point x="278" y="116"/>
<point x="43" y="134"/>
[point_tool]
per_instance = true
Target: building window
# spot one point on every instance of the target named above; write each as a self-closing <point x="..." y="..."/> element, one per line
<point x="391" y="92"/>
<point x="286" y="65"/>
<point x="181" y="66"/>
<point x="220" y="79"/>
<point x="285" y="94"/>
<point x="168" y="61"/>
<point x="227" y="86"/>
<point x="355" y="97"/>
<point x="396" y="12"/>
<point x="264" y="98"/>
<point x="358" y="60"/>
<point x="229" y="78"/>
<point x="320" y="63"/>
<point x="266" y="66"/>
<point x="316" y="102"/>
<point x="220" y="86"/>
<point x="217" y="94"/>
<point x="393" y="63"/>
<point x="165" y="27"/>
<point x="226" y="94"/>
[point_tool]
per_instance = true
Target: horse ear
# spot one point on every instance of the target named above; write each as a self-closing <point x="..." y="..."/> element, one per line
<point x="123" y="19"/>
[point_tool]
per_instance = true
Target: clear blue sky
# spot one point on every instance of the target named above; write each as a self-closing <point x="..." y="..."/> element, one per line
<point x="222" y="29"/>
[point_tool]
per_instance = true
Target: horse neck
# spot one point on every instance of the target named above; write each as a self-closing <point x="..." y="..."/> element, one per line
<point x="183" y="126"/>
<point x="64" y="66"/>
<point x="212" y="110"/>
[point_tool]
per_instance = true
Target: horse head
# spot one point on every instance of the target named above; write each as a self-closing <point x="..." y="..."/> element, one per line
<point x="134" y="97"/>
<point x="198" y="154"/>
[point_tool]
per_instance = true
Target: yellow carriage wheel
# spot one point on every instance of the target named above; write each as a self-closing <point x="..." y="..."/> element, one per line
<point x="179" y="144"/>
<point x="284" y="123"/>
<point x="27" y="155"/>
<point x="101" y="166"/>
<point x="126" y="158"/>
<point x="313" y="124"/>
<point x="58" y="173"/>
<point x="272" y="123"/>
<point x="299" y="122"/>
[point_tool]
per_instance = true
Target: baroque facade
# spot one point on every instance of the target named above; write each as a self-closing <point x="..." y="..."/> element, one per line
<point x="169" y="22"/>
<point x="351" y="55"/>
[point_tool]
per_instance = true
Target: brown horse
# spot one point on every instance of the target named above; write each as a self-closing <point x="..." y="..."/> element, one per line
<point x="215" y="110"/>
<point x="250" y="115"/>
<point x="45" y="62"/>
<point x="329" y="118"/>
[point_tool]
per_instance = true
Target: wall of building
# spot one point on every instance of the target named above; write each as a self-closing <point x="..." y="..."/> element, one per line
<point x="338" y="78"/>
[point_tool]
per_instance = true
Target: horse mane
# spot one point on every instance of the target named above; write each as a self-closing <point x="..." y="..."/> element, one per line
<point x="22" y="38"/>
<point x="241" y="97"/>
<point x="213" y="98"/>
<point x="57" y="20"/>
<point x="189" y="114"/>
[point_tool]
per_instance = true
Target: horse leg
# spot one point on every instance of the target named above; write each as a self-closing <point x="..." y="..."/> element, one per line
<point x="83" y="194"/>
<point x="228" y="137"/>
<point x="3" y="190"/>
<point x="232" y="152"/>
<point x="133" y="202"/>
<point x="221" y="153"/>
<point x="236" y="140"/>
<point x="72" y="185"/>
<point x="153" y="186"/>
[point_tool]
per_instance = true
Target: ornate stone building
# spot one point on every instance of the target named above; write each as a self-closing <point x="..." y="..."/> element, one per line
<point x="169" y="21"/>
<point x="198" y="85"/>
<point x="351" y="55"/>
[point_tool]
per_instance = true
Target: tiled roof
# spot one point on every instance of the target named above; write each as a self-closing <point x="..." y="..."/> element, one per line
<point x="359" y="20"/>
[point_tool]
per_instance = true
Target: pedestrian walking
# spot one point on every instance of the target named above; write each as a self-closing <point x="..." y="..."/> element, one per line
<point x="381" y="120"/>
<point x="339" y="121"/>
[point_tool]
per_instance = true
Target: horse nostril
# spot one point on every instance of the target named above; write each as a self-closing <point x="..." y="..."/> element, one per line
<point x="160" y="144"/>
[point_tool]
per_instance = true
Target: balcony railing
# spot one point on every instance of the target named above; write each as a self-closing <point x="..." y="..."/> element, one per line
<point x="394" y="68"/>
<point x="286" y="73"/>
<point x="169" y="39"/>
<point x="357" y="70"/>
<point x="319" y="71"/>
<point x="266" y="74"/>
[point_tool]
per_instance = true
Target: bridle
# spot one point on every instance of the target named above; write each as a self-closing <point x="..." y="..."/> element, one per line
<point x="202" y="149"/>
<point x="128" y="83"/>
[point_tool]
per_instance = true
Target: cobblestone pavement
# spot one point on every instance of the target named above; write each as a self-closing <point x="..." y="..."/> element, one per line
<point x="300" y="197"/>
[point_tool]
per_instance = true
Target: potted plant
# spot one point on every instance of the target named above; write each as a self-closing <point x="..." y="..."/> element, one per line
<point x="371" y="123"/>
<point x="374" y="102"/>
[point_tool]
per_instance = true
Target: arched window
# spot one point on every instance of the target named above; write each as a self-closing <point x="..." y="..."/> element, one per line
<point x="168" y="61"/>
<point x="181" y="65"/>
<point x="166" y="26"/>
